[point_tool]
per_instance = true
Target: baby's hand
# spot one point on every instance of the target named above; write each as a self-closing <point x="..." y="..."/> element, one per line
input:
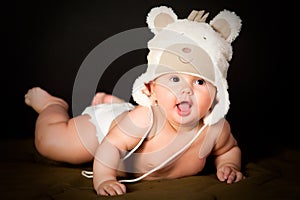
<point x="229" y="174"/>
<point x="111" y="188"/>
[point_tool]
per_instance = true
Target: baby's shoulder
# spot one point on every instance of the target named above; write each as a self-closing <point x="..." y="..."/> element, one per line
<point x="130" y="127"/>
<point x="225" y="139"/>
<point x="219" y="128"/>
<point x="140" y="116"/>
<point x="218" y="132"/>
<point x="134" y="123"/>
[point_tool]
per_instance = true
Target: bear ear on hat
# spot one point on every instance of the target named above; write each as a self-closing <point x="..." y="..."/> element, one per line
<point x="228" y="24"/>
<point x="160" y="17"/>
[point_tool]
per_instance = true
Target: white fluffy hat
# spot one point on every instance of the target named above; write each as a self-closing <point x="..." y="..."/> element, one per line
<point x="190" y="46"/>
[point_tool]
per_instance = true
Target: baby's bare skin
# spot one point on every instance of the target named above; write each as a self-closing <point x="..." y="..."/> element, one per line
<point x="39" y="99"/>
<point x="55" y="129"/>
<point x="159" y="148"/>
<point x="170" y="135"/>
<point x="156" y="149"/>
<point x="102" y="97"/>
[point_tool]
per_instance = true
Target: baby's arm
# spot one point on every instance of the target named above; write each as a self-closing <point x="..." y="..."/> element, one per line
<point x="228" y="156"/>
<point x="123" y="137"/>
<point x="105" y="167"/>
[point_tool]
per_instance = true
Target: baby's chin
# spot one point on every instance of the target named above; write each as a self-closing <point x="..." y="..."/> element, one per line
<point x="190" y="120"/>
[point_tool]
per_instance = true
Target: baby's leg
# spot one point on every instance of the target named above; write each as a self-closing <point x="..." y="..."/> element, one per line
<point x="57" y="136"/>
<point x="39" y="99"/>
<point x="102" y="97"/>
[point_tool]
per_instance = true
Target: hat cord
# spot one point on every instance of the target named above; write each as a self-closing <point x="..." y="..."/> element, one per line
<point x="89" y="174"/>
<point x="167" y="160"/>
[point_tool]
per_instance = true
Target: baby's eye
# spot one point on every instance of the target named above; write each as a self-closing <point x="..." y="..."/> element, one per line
<point x="200" y="82"/>
<point x="175" y="79"/>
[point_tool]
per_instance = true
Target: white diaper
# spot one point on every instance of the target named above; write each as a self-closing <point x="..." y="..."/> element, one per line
<point x="102" y="116"/>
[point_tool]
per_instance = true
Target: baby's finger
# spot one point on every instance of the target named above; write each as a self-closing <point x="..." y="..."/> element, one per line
<point x="227" y="171"/>
<point x="231" y="178"/>
<point x="239" y="176"/>
<point x="123" y="187"/>
<point x="110" y="190"/>
<point x="102" y="192"/>
<point x="119" y="188"/>
<point x="220" y="175"/>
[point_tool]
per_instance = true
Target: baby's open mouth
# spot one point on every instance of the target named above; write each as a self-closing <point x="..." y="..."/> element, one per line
<point x="184" y="108"/>
<point x="184" y="105"/>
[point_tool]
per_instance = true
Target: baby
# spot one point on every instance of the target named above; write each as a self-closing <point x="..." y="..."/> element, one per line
<point x="179" y="120"/>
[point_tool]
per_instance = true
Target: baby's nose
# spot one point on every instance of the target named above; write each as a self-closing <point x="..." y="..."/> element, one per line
<point x="187" y="90"/>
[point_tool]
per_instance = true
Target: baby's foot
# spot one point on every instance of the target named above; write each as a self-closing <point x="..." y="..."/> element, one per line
<point x="102" y="97"/>
<point x="39" y="99"/>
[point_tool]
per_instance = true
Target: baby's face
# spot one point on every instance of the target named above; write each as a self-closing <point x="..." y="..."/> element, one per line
<point x="184" y="98"/>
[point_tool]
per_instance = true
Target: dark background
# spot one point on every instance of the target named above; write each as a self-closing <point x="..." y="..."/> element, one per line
<point x="45" y="42"/>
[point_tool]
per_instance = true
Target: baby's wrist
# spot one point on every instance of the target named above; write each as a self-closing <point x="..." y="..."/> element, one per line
<point x="231" y="165"/>
<point x="103" y="181"/>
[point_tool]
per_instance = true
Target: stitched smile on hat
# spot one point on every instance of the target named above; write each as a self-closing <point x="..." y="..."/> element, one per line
<point x="183" y="60"/>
